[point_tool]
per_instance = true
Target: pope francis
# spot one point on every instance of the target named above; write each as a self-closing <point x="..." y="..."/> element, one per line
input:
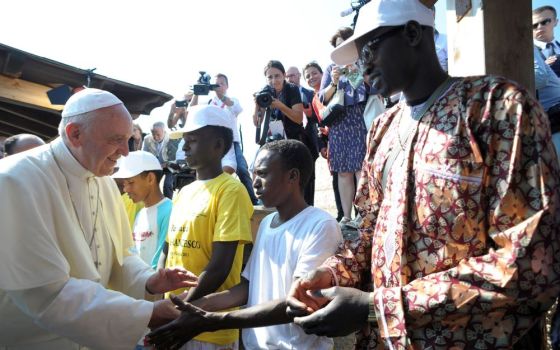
<point x="67" y="279"/>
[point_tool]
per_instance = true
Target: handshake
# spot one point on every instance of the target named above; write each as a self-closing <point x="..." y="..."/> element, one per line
<point x="334" y="311"/>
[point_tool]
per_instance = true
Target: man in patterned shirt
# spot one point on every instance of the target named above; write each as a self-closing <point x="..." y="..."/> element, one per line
<point x="460" y="200"/>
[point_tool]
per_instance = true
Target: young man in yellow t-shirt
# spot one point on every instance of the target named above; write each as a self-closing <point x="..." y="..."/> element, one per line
<point x="210" y="221"/>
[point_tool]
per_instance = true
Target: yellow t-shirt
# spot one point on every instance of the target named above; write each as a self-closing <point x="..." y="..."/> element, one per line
<point x="216" y="210"/>
<point x="131" y="208"/>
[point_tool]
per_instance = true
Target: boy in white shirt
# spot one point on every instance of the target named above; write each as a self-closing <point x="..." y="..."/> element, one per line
<point x="141" y="173"/>
<point x="290" y="242"/>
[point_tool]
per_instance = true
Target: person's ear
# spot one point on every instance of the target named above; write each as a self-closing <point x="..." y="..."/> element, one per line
<point x="413" y="33"/>
<point x="151" y="178"/>
<point x="293" y="176"/>
<point x="220" y="145"/>
<point x="74" y="133"/>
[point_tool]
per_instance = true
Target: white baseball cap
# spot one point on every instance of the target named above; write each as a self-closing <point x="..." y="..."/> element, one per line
<point x="381" y="13"/>
<point x="135" y="163"/>
<point x="88" y="100"/>
<point x="203" y="115"/>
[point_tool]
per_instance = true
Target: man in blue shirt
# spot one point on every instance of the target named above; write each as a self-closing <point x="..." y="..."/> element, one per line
<point x="547" y="84"/>
<point x="544" y="21"/>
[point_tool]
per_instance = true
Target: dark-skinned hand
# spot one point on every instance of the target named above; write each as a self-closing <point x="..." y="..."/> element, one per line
<point x="188" y="325"/>
<point x="300" y="301"/>
<point x="346" y="312"/>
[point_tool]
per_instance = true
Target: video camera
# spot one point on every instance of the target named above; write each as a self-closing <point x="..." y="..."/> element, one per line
<point x="264" y="97"/>
<point x="204" y="87"/>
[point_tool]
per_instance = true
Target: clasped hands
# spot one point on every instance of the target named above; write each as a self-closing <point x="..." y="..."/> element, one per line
<point x="324" y="310"/>
<point x="165" y="280"/>
<point x="316" y="307"/>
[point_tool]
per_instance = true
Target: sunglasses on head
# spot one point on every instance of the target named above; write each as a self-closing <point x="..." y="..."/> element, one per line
<point x="542" y="23"/>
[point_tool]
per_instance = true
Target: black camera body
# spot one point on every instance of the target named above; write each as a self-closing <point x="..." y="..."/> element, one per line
<point x="264" y="97"/>
<point x="182" y="103"/>
<point x="275" y="137"/>
<point x="203" y="86"/>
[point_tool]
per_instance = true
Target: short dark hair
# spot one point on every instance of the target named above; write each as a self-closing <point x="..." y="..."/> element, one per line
<point x="343" y="33"/>
<point x="223" y="76"/>
<point x="274" y="64"/>
<point x="545" y="8"/>
<point x="157" y="173"/>
<point x="223" y="133"/>
<point x="315" y="65"/>
<point x="294" y="155"/>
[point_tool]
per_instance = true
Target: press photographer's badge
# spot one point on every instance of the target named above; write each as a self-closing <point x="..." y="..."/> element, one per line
<point x="276" y="128"/>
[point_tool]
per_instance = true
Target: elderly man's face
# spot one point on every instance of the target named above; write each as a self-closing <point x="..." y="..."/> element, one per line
<point x="158" y="134"/>
<point x="99" y="145"/>
<point x="293" y="76"/>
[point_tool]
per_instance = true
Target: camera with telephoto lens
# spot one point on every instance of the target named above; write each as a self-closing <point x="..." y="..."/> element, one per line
<point x="264" y="97"/>
<point x="203" y="86"/>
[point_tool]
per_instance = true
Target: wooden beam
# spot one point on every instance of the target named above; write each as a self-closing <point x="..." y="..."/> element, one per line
<point x="15" y="128"/>
<point x="485" y="41"/>
<point x="29" y="126"/>
<point x="512" y="59"/>
<point x="34" y="120"/>
<point x="26" y="92"/>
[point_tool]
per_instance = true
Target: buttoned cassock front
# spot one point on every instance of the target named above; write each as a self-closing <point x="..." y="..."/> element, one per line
<point x="50" y="288"/>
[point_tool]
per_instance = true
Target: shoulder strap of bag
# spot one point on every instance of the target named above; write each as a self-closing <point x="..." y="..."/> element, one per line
<point x="266" y="123"/>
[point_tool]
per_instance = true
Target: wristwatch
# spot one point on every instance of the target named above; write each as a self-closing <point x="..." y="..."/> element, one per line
<point x="334" y="85"/>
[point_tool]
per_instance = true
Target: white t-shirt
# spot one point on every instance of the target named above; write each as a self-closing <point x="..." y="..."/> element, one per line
<point x="234" y="111"/>
<point x="279" y="256"/>
<point x="146" y="230"/>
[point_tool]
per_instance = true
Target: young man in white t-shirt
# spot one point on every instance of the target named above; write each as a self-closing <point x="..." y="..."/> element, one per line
<point x="290" y="242"/>
<point x="141" y="173"/>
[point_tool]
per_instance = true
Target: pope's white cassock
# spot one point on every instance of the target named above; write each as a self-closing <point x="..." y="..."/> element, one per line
<point x="54" y="266"/>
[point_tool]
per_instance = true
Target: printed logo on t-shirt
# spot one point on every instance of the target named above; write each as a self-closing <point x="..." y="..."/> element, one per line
<point x="186" y="243"/>
<point x="141" y="236"/>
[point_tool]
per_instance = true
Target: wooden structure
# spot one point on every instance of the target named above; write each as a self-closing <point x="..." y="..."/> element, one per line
<point x="26" y="78"/>
<point x="491" y="37"/>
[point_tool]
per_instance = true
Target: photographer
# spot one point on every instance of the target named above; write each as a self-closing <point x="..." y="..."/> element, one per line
<point x="284" y="101"/>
